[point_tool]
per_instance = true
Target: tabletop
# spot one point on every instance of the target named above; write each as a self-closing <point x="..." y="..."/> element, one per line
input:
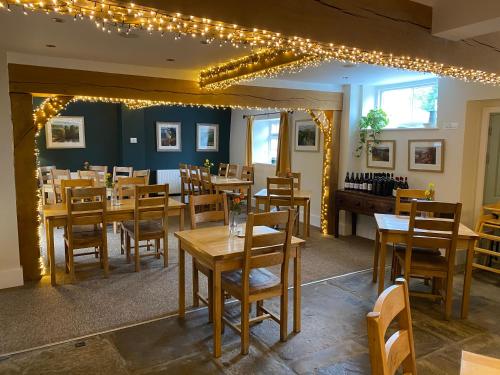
<point x="478" y="364"/>
<point x="218" y="244"/>
<point x="59" y="209"/>
<point x="221" y="180"/>
<point x="399" y="224"/>
<point x="494" y="207"/>
<point x="296" y="194"/>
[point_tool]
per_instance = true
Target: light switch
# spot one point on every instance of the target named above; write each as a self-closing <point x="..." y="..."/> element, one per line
<point x="450" y="125"/>
<point x="133" y="140"/>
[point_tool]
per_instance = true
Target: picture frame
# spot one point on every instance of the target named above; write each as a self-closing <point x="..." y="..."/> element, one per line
<point x="207" y="137"/>
<point x="168" y="137"/>
<point x="380" y="155"/>
<point x="306" y="136"/>
<point x="426" y="155"/>
<point x="64" y="132"/>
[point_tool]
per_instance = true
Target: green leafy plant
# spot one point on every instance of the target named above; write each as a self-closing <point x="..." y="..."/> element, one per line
<point x="370" y="127"/>
<point x="428" y="99"/>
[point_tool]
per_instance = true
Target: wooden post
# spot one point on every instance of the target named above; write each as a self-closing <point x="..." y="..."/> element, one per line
<point x="334" y="165"/>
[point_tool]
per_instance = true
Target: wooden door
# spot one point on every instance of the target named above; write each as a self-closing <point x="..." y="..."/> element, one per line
<point x="492" y="176"/>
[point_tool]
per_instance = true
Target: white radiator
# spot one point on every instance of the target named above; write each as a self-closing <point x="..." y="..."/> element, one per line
<point x="172" y="177"/>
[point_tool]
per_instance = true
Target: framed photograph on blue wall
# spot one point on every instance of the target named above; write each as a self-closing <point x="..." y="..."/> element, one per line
<point x="168" y="136"/>
<point x="207" y="137"/>
<point x="65" y="132"/>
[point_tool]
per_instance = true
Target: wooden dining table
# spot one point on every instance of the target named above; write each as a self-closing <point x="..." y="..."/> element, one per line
<point x="393" y="229"/>
<point x="302" y="198"/>
<point x="232" y="183"/>
<point x="219" y="251"/>
<point x="55" y="215"/>
<point x="476" y="364"/>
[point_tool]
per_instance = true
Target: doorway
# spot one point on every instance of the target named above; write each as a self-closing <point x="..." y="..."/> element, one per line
<point x="491" y="192"/>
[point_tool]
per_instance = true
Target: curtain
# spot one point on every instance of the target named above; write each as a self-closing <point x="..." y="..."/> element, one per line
<point x="249" y="144"/>
<point x="283" y="164"/>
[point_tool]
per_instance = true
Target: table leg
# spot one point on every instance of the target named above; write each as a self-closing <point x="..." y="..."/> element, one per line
<point x="336" y="224"/>
<point x="308" y="211"/>
<point x="296" y="292"/>
<point x="217" y="310"/>
<point x="375" y="255"/>
<point x="381" y="263"/>
<point x="182" y="282"/>
<point x="467" y="279"/>
<point x="249" y="199"/>
<point x="181" y="219"/>
<point x="51" y="251"/>
<point x="354" y="221"/>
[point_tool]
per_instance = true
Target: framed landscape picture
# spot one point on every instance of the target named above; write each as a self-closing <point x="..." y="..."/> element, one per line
<point x="168" y="136"/>
<point x="207" y="137"/>
<point x="381" y="154"/>
<point x="426" y="155"/>
<point x="306" y="136"/>
<point x="65" y="132"/>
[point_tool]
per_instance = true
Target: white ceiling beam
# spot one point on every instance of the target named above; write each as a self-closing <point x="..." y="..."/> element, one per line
<point x="463" y="19"/>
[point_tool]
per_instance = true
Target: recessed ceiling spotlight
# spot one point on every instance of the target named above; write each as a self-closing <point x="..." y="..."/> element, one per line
<point x="50" y="45"/>
<point x="349" y="65"/>
<point x="58" y="20"/>
<point x="345" y="77"/>
<point x="128" y="35"/>
<point x="170" y="60"/>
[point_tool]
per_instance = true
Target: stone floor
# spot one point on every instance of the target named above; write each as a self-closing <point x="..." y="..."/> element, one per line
<point x="332" y="341"/>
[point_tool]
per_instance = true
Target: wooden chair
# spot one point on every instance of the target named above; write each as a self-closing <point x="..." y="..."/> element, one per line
<point x="206" y="181"/>
<point x="222" y="170"/>
<point x="232" y="170"/>
<point x="44" y="180"/>
<point x="56" y="176"/>
<point x="433" y="233"/>
<point x="280" y="193"/>
<point x="254" y="282"/>
<point x="195" y="177"/>
<point x="202" y="216"/>
<point x="247" y="173"/>
<point x="86" y="223"/>
<point x="142" y="173"/>
<point x="387" y="357"/>
<point x="120" y="172"/>
<point x="75" y="183"/>
<point x="297" y="177"/>
<point x="90" y="175"/>
<point x="150" y="222"/>
<point x="488" y="230"/>
<point x="102" y="171"/>
<point x="185" y="181"/>
<point x="125" y="189"/>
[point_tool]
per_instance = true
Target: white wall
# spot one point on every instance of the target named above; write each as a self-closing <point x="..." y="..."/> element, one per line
<point x="453" y="96"/>
<point x="10" y="271"/>
<point x="309" y="164"/>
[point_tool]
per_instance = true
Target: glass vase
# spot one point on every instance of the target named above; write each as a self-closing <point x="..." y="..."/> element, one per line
<point x="233" y="222"/>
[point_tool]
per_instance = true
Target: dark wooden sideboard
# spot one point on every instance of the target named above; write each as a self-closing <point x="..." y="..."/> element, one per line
<point x="358" y="202"/>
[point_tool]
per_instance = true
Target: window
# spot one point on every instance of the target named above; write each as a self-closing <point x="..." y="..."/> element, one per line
<point x="265" y="140"/>
<point x="410" y="105"/>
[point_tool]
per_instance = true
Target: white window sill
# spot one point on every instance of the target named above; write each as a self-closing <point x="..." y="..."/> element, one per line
<point x="407" y="129"/>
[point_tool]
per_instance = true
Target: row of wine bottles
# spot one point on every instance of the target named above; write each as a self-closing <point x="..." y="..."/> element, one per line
<point x="375" y="183"/>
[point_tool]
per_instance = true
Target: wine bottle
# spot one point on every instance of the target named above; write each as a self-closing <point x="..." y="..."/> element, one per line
<point x="346" y="181"/>
<point x="351" y="181"/>
<point x="356" y="182"/>
<point x="370" y="184"/>
<point x="406" y="186"/>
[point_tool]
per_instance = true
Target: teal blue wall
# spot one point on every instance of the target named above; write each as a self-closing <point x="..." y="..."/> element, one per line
<point x="109" y="127"/>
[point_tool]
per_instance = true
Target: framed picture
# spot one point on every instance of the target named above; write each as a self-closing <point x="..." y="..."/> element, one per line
<point x="426" y="155"/>
<point x="381" y="154"/>
<point x="168" y="136"/>
<point x="65" y="132"/>
<point x="306" y="136"/>
<point x="207" y="137"/>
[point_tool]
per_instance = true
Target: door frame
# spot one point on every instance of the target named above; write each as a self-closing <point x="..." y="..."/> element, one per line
<point x="481" y="165"/>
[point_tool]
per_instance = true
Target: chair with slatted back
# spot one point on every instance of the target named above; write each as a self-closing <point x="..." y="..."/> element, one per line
<point x="297" y="178"/>
<point x="120" y="172"/>
<point x="195" y="177"/>
<point x="185" y="181"/>
<point x="150" y="222"/>
<point x="75" y="183"/>
<point x="280" y="194"/>
<point x="102" y="171"/>
<point x="222" y="170"/>
<point x="404" y="198"/>
<point x="264" y="248"/>
<point x="203" y="210"/>
<point x="432" y="231"/>
<point x="56" y="176"/>
<point x="90" y="175"/>
<point x="386" y="357"/>
<point x="44" y="181"/>
<point x="86" y="218"/>
<point x="206" y="181"/>
<point x="246" y="174"/>
<point x="142" y="173"/>
<point x="125" y="189"/>
<point x="232" y="170"/>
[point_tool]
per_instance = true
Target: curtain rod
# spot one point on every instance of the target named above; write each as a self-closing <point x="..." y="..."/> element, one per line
<point x="264" y="114"/>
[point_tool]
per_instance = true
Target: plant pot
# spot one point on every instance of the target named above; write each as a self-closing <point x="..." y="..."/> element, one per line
<point x="432" y="117"/>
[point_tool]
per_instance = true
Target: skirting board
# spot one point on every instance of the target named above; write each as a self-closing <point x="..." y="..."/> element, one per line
<point x="11" y="277"/>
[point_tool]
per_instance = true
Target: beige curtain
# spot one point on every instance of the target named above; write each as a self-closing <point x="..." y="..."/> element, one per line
<point x="283" y="164"/>
<point x="249" y="144"/>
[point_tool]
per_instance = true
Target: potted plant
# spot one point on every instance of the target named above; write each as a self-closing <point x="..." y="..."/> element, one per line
<point x="208" y="164"/>
<point x="370" y="127"/>
<point x="428" y="102"/>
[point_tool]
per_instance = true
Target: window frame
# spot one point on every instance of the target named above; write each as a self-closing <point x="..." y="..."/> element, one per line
<point x="270" y="136"/>
<point x="404" y="85"/>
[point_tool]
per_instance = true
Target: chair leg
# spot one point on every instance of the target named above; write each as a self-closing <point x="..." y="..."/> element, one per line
<point x="258" y="308"/>
<point x="136" y="255"/>
<point x="127" y="246"/>
<point x="245" y="325"/>
<point x="449" y="297"/>
<point x="104" y="257"/>
<point x="210" y="297"/>
<point x="165" y="250"/>
<point x="157" y="248"/>
<point x="284" y="316"/>
<point x="196" y="287"/>
<point x="66" y="257"/>
<point x="121" y="240"/>
<point x="71" y="264"/>
<point x="222" y="300"/>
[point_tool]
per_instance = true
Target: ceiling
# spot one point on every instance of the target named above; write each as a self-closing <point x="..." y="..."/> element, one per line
<point x="82" y="41"/>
